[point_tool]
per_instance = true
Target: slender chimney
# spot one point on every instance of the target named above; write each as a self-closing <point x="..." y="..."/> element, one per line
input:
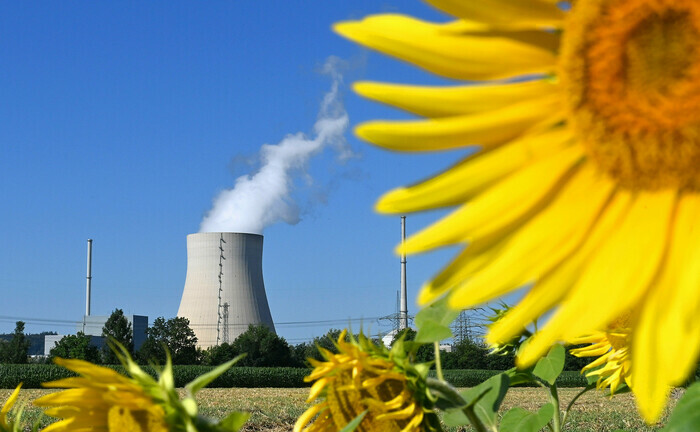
<point x="89" y="277"/>
<point x="403" y="311"/>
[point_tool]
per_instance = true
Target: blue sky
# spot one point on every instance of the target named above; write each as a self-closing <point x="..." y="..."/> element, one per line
<point x="121" y="121"/>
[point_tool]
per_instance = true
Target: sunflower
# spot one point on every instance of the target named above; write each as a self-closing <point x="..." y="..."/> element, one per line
<point x="102" y="399"/>
<point x="612" y="367"/>
<point x="363" y="377"/>
<point x="586" y="184"/>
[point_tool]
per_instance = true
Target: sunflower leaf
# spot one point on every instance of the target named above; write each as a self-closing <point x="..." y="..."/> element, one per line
<point x="234" y="421"/>
<point x="520" y="420"/>
<point x="686" y="415"/>
<point x="354" y="423"/>
<point x="550" y="366"/>
<point x="204" y="380"/>
<point x="432" y="331"/>
<point x="488" y="395"/>
<point x="433" y="322"/>
<point x="520" y="376"/>
<point x="437" y="312"/>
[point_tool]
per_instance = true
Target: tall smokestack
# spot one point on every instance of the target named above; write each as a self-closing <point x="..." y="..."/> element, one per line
<point x="89" y="277"/>
<point x="224" y="290"/>
<point x="403" y="311"/>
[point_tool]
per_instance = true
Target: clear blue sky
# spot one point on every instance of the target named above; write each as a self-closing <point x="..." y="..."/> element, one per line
<point x="121" y="121"/>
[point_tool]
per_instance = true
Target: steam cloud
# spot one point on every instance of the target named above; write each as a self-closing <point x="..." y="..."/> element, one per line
<point x="264" y="198"/>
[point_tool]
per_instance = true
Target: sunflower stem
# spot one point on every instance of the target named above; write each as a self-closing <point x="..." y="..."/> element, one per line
<point x="554" y="398"/>
<point x="469" y="412"/>
<point x="438" y="365"/>
<point x="451" y="394"/>
<point x="571" y="404"/>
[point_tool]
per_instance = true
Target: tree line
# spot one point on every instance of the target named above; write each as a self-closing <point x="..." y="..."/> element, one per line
<point x="261" y="346"/>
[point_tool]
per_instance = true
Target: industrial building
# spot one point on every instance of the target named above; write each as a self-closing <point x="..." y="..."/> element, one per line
<point x="224" y="290"/>
<point x="92" y="325"/>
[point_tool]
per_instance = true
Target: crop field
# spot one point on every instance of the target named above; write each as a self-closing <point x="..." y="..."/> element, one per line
<point x="276" y="410"/>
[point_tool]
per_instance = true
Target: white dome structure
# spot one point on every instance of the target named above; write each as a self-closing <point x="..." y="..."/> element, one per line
<point x="224" y="290"/>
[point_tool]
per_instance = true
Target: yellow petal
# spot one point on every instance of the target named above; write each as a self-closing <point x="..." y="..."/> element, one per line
<point x="316" y="389"/>
<point x="308" y="415"/>
<point x="555" y="286"/>
<point x="469" y="261"/>
<point x="591" y="351"/>
<point x="531" y="13"/>
<point x="616" y="277"/>
<point x="401" y="414"/>
<point x="543" y="242"/>
<point x="444" y="51"/>
<point x="461" y="182"/>
<point x="91" y="371"/>
<point x="500" y="207"/>
<point x="10" y="401"/>
<point x="665" y="345"/>
<point x="414" y="424"/>
<point x="79" y="397"/>
<point x="450" y="101"/>
<point x="486" y="129"/>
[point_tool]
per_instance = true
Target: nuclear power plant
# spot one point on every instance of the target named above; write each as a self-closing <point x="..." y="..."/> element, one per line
<point x="224" y="290"/>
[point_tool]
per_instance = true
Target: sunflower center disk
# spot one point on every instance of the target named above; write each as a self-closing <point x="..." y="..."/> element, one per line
<point x="631" y="69"/>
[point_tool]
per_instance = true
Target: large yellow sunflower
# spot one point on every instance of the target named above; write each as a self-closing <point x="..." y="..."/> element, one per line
<point x="587" y="183"/>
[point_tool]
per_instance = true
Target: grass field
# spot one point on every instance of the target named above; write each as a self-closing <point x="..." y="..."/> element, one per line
<point x="277" y="409"/>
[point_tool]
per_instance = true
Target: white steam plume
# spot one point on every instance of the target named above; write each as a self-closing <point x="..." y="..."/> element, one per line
<point x="263" y="198"/>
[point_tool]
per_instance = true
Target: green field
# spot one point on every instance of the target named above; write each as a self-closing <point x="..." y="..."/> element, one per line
<point x="277" y="409"/>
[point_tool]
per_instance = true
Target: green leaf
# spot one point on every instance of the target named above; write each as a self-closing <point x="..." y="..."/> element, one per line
<point x="433" y="322"/>
<point x="686" y="415"/>
<point x="520" y="420"/>
<point x="446" y="397"/>
<point x="455" y="417"/>
<point x="518" y="376"/>
<point x="487" y="405"/>
<point x="432" y="331"/>
<point x="204" y="380"/>
<point x="550" y="366"/>
<point x="234" y="421"/>
<point x="437" y="312"/>
<point x="353" y="424"/>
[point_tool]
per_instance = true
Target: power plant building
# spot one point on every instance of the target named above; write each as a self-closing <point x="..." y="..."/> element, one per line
<point x="224" y="290"/>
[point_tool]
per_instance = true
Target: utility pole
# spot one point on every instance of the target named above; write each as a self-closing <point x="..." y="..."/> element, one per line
<point x="403" y="312"/>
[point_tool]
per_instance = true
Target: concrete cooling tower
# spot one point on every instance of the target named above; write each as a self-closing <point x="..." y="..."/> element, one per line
<point x="224" y="290"/>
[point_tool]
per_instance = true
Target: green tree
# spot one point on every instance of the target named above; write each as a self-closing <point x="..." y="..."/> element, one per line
<point x="262" y="348"/>
<point x="16" y="350"/>
<point x="176" y="335"/>
<point x="466" y="354"/>
<point x="218" y="354"/>
<point x="117" y="328"/>
<point x="76" y="347"/>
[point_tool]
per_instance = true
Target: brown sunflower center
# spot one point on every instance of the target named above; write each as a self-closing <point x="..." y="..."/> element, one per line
<point x="631" y="69"/>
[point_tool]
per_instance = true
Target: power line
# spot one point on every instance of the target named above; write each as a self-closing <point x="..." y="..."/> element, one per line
<point x="6" y="318"/>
